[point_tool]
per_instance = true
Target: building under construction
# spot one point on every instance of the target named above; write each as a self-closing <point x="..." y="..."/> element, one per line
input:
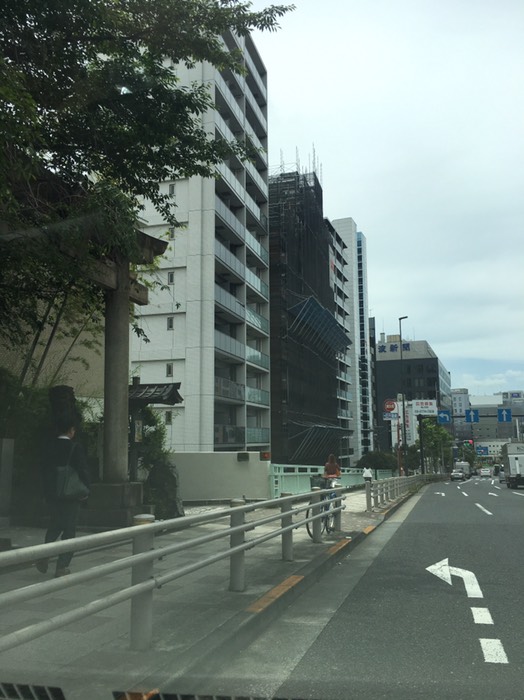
<point x="305" y="336"/>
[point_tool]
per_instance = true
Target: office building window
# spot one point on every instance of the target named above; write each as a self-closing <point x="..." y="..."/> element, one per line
<point x="171" y="189"/>
<point x="171" y="278"/>
<point x="170" y="323"/>
<point x="169" y="369"/>
<point x="168" y="417"/>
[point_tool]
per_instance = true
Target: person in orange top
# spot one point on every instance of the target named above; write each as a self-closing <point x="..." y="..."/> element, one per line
<point x="331" y="468"/>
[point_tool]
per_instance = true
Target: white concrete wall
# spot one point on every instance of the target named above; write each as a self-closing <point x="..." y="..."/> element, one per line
<point x="217" y="476"/>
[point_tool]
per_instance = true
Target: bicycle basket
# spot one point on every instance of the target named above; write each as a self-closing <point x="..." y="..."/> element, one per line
<point x="317" y="482"/>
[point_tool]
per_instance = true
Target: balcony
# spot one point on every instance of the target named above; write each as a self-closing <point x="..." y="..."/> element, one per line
<point x="257" y="436"/>
<point x="227" y="389"/>
<point x="229" y="99"/>
<point x="255" y="75"/>
<point x="257" y="321"/>
<point x="230" y="435"/>
<point x="258" y="396"/>
<point x="251" y="100"/>
<point x="257" y="358"/>
<point x="229" y="302"/>
<point x="254" y="281"/>
<point x="230" y="261"/>
<point x="230" y="346"/>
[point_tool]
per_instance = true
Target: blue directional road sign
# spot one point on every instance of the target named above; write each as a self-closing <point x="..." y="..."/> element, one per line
<point x="504" y="415"/>
<point x="444" y="417"/>
<point x="481" y="450"/>
<point x="472" y="415"/>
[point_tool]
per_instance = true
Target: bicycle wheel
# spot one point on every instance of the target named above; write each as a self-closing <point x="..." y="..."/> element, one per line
<point x="329" y="519"/>
<point x="309" y="524"/>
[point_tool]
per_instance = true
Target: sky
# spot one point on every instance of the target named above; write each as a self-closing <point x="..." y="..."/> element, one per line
<point x="411" y="112"/>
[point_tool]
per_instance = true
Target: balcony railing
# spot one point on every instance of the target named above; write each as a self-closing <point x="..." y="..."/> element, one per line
<point x="228" y="97"/>
<point x="256" y="283"/>
<point x="257" y="320"/>
<point x="228" y="389"/>
<point x="257" y="358"/>
<point x="257" y="435"/>
<point x="230" y="260"/>
<point x="229" y="345"/>
<point x="228" y="301"/>
<point x="229" y="434"/>
<point x="259" y="396"/>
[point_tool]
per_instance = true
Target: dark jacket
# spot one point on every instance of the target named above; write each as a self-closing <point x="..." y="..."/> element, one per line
<point x="56" y="454"/>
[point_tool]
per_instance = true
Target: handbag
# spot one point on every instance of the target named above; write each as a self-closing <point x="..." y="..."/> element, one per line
<point x="69" y="486"/>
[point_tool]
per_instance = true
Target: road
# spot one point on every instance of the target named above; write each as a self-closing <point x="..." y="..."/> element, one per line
<point x="381" y="625"/>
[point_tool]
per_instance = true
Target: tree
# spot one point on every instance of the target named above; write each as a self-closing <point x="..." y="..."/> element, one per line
<point x="92" y="119"/>
<point x="378" y="460"/>
<point x="437" y="443"/>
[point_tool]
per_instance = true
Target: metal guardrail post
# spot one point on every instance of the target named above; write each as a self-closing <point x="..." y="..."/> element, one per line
<point x="368" y="497"/>
<point x="375" y="494"/>
<point x="337" y="521"/>
<point x="141" y="633"/>
<point x="237" y="569"/>
<point x="287" y="537"/>
<point x="315" y="510"/>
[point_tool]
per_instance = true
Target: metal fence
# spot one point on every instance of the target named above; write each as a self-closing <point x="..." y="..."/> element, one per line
<point x="243" y="520"/>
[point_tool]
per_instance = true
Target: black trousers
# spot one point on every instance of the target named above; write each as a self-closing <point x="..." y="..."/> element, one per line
<point x="64" y="515"/>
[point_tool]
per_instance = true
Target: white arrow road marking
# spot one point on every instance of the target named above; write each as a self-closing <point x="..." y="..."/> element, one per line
<point x="518" y="494"/>
<point x="493" y="651"/>
<point x="443" y="570"/>
<point x="482" y="616"/>
<point x="439" y="493"/>
<point x="493" y="494"/>
<point x="483" y="509"/>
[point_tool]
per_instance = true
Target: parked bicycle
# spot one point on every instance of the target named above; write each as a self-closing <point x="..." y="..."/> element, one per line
<point x="327" y="521"/>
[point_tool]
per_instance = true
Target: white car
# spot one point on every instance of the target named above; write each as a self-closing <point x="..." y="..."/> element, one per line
<point x="485" y="471"/>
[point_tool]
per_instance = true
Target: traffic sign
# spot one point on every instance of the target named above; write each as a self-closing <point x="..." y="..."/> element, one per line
<point x="444" y="417"/>
<point x="390" y="416"/>
<point x="472" y="415"/>
<point x="504" y="415"/>
<point x="389" y="405"/>
<point x="481" y="450"/>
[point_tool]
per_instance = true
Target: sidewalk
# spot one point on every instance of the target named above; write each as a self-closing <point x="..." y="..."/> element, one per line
<point x="194" y="616"/>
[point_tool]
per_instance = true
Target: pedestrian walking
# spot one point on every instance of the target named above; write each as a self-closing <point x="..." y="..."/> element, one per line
<point x="367" y="474"/>
<point x="63" y="512"/>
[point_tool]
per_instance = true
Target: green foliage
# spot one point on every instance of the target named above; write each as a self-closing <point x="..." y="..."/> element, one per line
<point x="161" y="486"/>
<point x="88" y="90"/>
<point x="92" y="119"/>
<point x="438" y="444"/>
<point x="378" y="460"/>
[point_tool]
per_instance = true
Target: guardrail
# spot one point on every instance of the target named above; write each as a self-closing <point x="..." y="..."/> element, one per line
<point x="143" y="578"/>
<point x="380" y="493"/>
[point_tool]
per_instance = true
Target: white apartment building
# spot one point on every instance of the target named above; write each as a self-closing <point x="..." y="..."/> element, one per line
<point x="209" y="326"/>
<point x="349" y="273"/>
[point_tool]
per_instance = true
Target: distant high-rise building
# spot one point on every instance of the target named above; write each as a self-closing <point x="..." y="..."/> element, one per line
<point x="209" y="325"/>
<point x="420" y="375"/>
<point x="349" y="266"/>
<point x="306" y="339"/>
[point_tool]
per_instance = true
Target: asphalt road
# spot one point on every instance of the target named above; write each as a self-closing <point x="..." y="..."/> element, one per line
<point x="380" y="625"/>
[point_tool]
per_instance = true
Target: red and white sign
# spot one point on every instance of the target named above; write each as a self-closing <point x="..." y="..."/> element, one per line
<point x="390" y="405"/>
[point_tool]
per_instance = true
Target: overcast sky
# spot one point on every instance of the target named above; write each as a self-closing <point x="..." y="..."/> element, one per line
<point x="413" y="113"/>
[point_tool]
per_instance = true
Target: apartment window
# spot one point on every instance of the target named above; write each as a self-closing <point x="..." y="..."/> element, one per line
<point x="172" y="189"/>
<point x="168" y="417"/>
<point x="171" y="278"/>
<point x="169" y="369"/>
<point x="170" y="323"/>
<point x="171" y="234"/>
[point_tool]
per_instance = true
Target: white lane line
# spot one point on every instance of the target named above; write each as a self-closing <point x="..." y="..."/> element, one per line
<point x="493" y="651"/>
<point x="518" y="494"/>
<point x="483" y="509"/>
<point x="464" y="493"/>
<point x="490" y="493"/>
<point x="498" y="487"/>
<point x="482" y="616"/>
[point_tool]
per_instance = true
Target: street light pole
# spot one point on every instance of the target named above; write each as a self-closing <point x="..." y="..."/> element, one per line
<point x="402" y="318"/>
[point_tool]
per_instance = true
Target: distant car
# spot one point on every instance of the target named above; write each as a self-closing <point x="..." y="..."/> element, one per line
<point x="485" y="471"/>
<point x="502" y="476"/>
<point x="457" y="475"/>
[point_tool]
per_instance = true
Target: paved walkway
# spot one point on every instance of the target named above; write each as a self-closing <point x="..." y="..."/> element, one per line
<point x="193" y="616"/>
